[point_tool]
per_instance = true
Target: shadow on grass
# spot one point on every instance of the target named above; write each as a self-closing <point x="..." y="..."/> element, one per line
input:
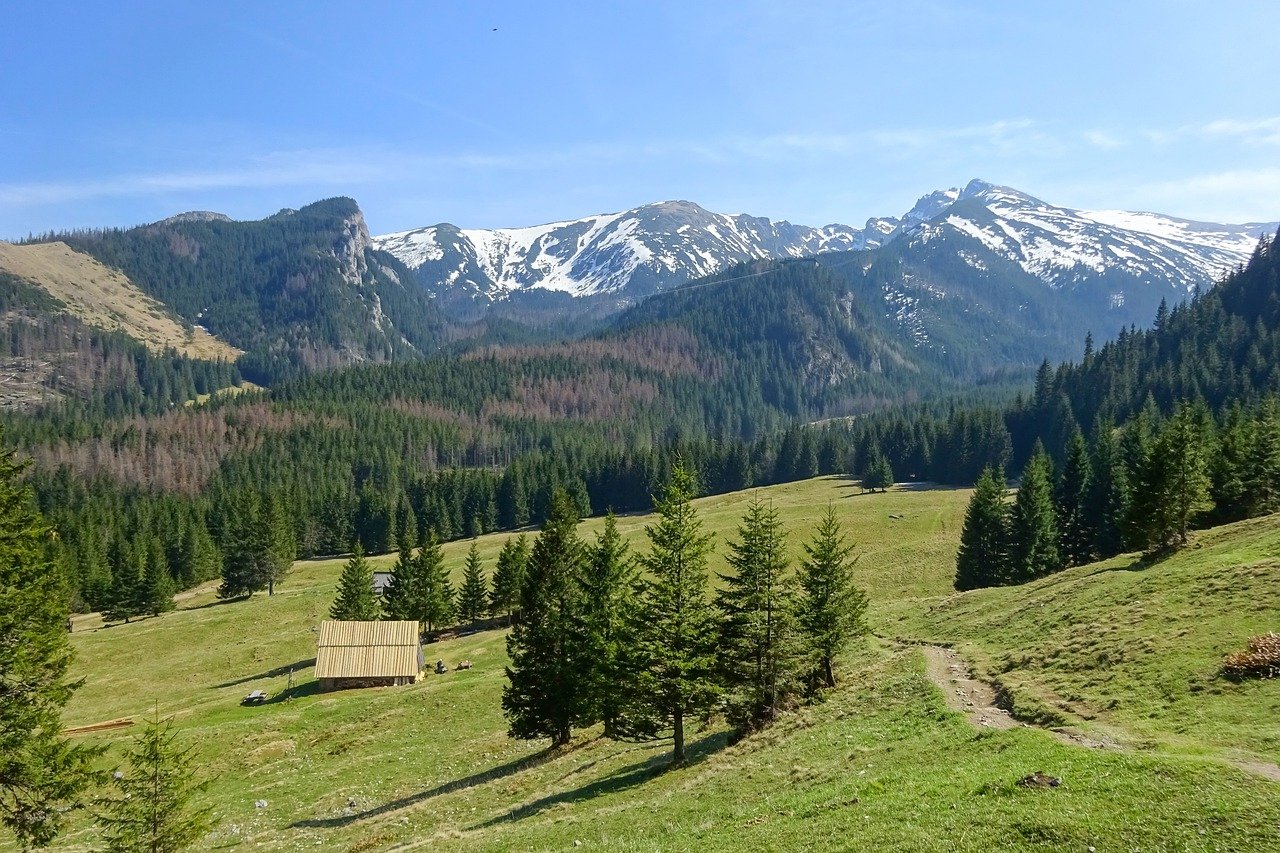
<point x="627" y="777"/>
<point x="284" y="669"/>
<point x="484" y="776"/>
<point x="307" y="688"/>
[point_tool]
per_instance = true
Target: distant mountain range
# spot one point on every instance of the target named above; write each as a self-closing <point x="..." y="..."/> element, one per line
<point x="627" y="256"/>
<point x="968" y="285"/>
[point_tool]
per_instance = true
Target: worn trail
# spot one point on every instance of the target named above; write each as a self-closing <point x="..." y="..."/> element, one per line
<point x="980" y="702"/>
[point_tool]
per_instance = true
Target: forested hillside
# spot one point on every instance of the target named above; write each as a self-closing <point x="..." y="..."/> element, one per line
<point x="721" y="374"/>
<point x="298" y="291"/>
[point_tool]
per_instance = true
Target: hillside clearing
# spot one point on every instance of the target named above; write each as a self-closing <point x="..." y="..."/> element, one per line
<point x="107" y="299"/>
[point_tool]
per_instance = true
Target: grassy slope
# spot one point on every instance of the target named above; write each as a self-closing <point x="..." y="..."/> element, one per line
<point x="882" y="764"/>
<point x="1131" y="649"/>
<point x="106" y="298"/>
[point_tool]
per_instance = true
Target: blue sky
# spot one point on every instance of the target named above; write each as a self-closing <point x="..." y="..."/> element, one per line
<point x="489" y="114"/>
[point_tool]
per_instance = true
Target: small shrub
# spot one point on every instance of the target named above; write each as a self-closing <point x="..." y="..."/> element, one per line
<point x="1262" y="660"/>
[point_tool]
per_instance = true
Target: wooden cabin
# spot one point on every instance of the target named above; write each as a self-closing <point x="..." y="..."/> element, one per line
<point x="381" y="580"/>
<point x="368" y="654"/>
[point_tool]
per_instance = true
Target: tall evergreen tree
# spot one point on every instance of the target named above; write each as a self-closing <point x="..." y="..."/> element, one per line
<point x="157" y="583"/>
<point x="437" y="591"/>
<point x="403" y="598"/>
<point x="1263" y="478"/>
<point x="758" y="654"/>
<point x="473" y="596"/>
<point x="281" y="546"/>
<point x="548" y="689"/>
<point x="879" y="474"/>
<point x="356" y="599"/>
<point x="984" y="539"/>
<point x="1076" y="530"/>
<point x="608" y="582"/>
<point x="42" y="775"/>
<point x="508" y="577"/>
<point x="1108" y="501"/>
<point x="1033" y="526"/>
<point x="155" y="809"/>
<point x="675" y="648"/>
<point x="125" y="599"/>
<point x="1179" y="474"/>
<point x="831" y="612"/>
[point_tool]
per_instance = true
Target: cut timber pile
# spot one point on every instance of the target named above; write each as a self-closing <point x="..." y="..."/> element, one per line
<point x="1262" y="660"/>
<point x="100" y="727"/>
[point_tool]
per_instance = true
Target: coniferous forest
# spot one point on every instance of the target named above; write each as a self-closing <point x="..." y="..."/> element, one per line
<point x="459" y="446"/>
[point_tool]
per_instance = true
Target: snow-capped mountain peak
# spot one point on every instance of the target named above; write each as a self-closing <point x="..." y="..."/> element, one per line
<point x="656" y="246"/>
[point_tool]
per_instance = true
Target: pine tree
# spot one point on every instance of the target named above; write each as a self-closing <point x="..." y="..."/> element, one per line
<point x="1230" y="467"/>
<point x="157" y="583"/>
<point x="155" y="809"/>
<point x="830" y="610"/>
<point x="549" y="676"/>
<point x="1071" y="499"/>
<point x="356" y="600"/>
<point x="758" y="653"/>
<point x="508" y="577"/>
<point x="473" y="597"/>
<point x="1033" y="526"/>
<point x="125" y="599"/>
<point x="879" y="474"/>
<point x="1263" y="477"/>
<point x="608" y="582"/>
<point x="675" y="651"/>
<point x="402" y="598"/>
<point x="437" y="591"/>
<point x="984" y="538"/>
<point x="1180" y="476"/>
<point x="246" y="554"/>
<point x="1141" y="473"/>
<point x="281" y="546"/>
<point x="1108" y="501"/>
<point x="42" y="775"/>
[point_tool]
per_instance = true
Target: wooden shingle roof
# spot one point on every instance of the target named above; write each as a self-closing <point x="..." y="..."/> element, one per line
<point x="368" y="650"/>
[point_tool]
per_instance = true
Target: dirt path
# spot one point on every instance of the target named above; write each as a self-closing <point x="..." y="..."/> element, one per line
<point x="964" y="693"/>
<point x="980" y="703"/>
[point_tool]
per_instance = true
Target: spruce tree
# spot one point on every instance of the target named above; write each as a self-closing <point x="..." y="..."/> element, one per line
<point x="157" y="583"/>
<point x="281" y="546"/>
<point x="879" y="474"/>
<point x="675" y="649"/>
<point x="1108" y="500"/>
<point x="758" y="653"/>
<point x="548" y="689"/>
<point x="42" y="775"/>
<point x="1075" y="521"/>
<point x="128" y="567"/>
<point x="608" y="582"/>
<point x="403" y="596"/>
<point x="473" y="596"/>
<point x="831" y="612"/>
<point x="1263" y="478"/>
<point x="155" y="809"/>
<point x="437" y="591"/>
<point x="508" y="577"/>
<point x="356" y="600"/>
<point x="1180" y="475"/>
<point x="984" y="539"/>
<point x="1230" y="467"/>
<point x="1033" y="527"/>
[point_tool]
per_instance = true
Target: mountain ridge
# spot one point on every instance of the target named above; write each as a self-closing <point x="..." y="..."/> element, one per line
<point x="634" y="253"/>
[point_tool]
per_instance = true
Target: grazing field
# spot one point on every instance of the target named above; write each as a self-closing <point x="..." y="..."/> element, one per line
<point x="882" y="764"/>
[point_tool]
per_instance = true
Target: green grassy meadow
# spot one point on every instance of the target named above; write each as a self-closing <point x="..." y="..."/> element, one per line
<point x="1122" y="649"/>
